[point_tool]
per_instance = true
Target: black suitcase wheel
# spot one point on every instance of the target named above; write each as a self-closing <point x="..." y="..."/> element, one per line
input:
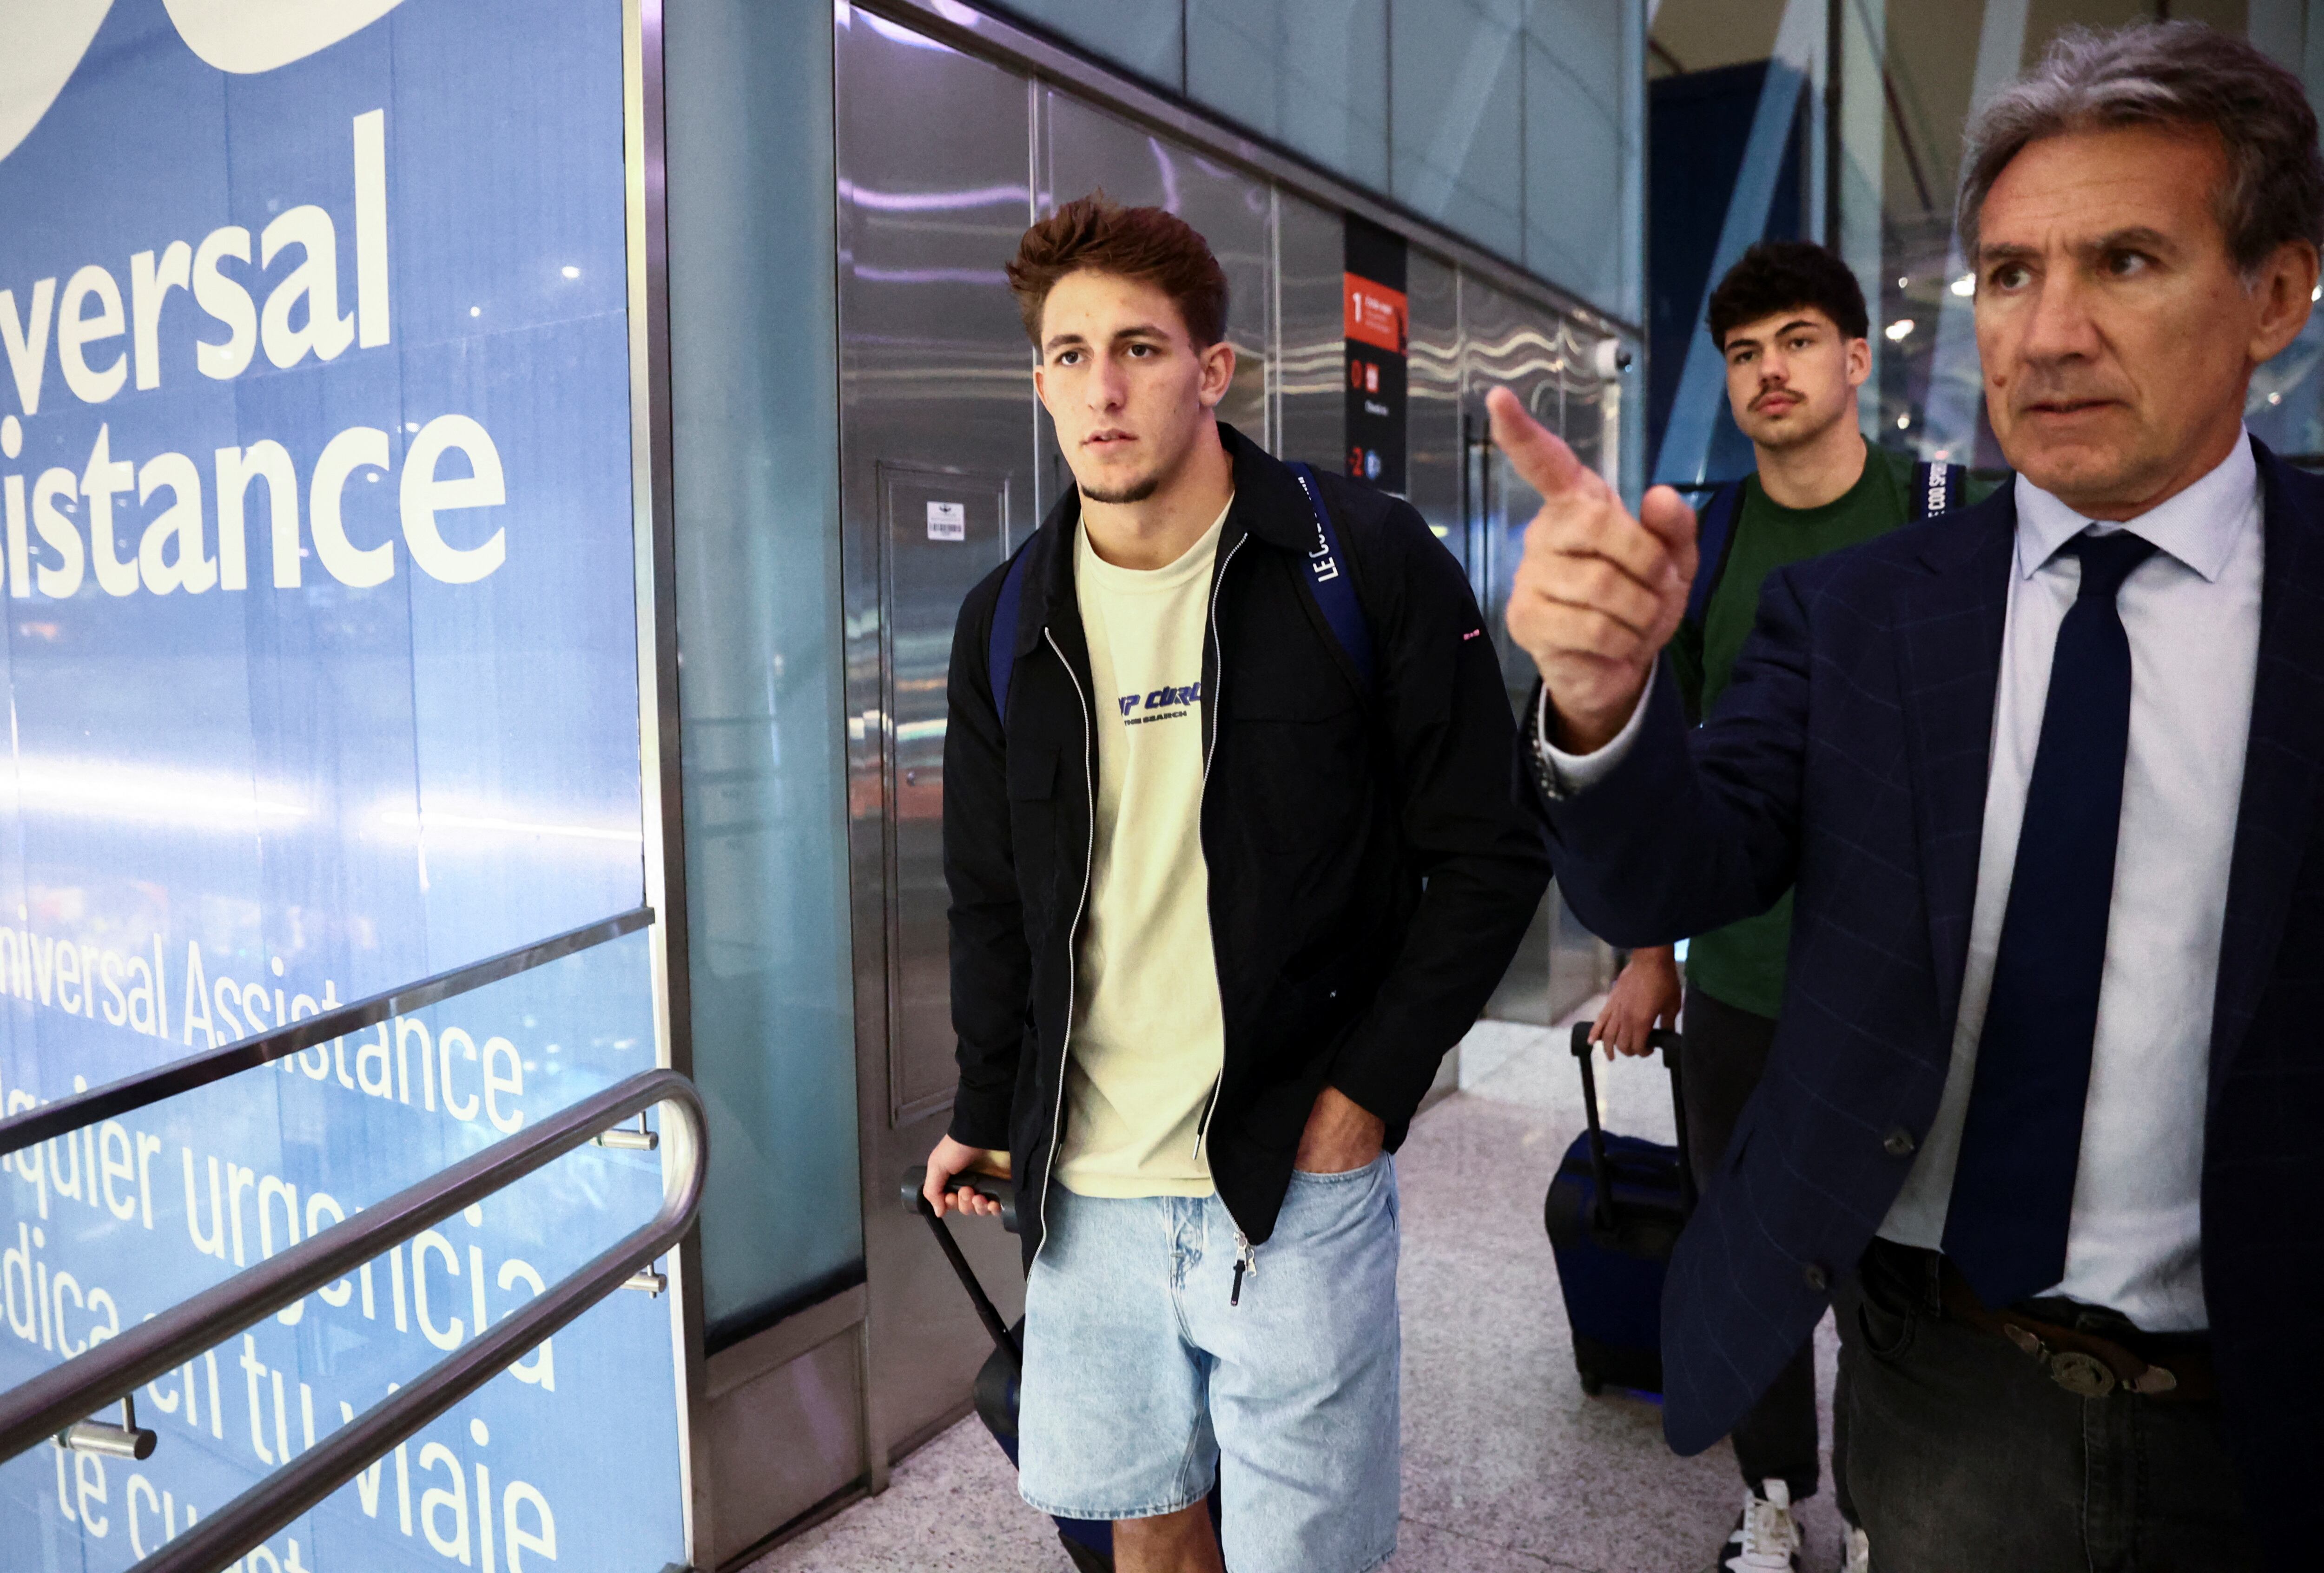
<point x="996" y="1394"/>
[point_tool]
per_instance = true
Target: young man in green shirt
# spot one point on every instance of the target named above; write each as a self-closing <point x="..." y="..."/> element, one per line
<point x="1789" y="320"/>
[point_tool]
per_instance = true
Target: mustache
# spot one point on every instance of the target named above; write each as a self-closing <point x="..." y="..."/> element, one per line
<point x="2048" y="385"/>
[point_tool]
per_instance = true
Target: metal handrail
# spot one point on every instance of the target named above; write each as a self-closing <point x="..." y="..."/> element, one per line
<point x="148" y="1086"/>
<point x="46" y="1405"/>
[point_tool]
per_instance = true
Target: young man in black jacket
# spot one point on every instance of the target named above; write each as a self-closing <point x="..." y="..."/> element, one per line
<point x="1234" y="859"/>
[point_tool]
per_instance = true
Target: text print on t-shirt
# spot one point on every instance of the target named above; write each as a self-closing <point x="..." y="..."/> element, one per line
<point x="1159" y="703"/>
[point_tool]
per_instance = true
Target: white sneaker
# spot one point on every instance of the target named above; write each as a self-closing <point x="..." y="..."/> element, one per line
<point x="1766" y="1538"/>
<point x="1859" y="1552"/>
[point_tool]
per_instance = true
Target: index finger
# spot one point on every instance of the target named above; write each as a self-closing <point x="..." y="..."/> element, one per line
<point x="1536" y="453"/>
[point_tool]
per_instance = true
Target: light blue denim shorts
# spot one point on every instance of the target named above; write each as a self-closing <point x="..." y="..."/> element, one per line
<point x="1143" y="1383"/>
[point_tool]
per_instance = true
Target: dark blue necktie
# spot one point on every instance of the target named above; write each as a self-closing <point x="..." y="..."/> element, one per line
<point x="2014" y="1186"/>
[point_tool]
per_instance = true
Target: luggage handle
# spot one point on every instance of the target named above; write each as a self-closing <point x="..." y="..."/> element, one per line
<point x="1669" y="1045"/>
<point x="992" y="1188"/>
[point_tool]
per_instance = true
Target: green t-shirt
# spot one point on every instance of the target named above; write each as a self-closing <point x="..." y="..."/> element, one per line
<point x="1742" y="964"/>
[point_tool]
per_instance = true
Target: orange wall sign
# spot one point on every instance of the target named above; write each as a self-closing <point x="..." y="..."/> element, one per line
<point x="1375" y="313"/>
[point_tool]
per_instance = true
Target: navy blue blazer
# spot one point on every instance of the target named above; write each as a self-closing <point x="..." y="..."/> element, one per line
<point x="1848" y="758"/>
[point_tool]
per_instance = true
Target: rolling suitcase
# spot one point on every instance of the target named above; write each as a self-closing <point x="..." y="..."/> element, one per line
<point x="1089" y="1542"/>
<point x="1613" y="1212"/>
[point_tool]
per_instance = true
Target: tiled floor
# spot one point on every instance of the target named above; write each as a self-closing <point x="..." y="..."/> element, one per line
<point x="1507" y="1465"/>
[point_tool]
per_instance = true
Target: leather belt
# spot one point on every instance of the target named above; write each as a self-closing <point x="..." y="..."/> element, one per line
<point x="2083" y="1363"/>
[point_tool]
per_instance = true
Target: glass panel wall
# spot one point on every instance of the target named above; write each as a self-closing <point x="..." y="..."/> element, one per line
<point x="1140" y="36"/>
<point x="1736" y="126"/>
<point x="1458" y="119"/>
<point x="1583" y="80"/>
<point x="1517" y="123"/>
<point x="1310" y="74"/>
<point x="754" y="358"/>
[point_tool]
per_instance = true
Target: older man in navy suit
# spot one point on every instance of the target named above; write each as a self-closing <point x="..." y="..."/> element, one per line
<point x="2046" y="1114"/>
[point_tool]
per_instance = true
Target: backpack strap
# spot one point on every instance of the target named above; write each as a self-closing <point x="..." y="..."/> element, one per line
<point x="1715" y="539"/>
<point x="1335" y="591"/>
<point x="1938" y="489"/>
<point x="1000" y="654"/>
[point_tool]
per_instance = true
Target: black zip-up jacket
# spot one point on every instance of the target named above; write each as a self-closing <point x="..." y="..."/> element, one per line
<point x="1373" y="859"/>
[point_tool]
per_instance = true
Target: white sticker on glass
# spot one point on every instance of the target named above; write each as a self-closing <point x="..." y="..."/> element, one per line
<point x="948" y="522"/>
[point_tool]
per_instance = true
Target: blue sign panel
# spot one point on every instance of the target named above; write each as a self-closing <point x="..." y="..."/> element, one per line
<point x="321" y="660"/>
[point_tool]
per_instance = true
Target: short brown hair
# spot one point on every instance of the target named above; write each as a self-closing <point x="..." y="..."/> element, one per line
<point x="1151" y="244"/>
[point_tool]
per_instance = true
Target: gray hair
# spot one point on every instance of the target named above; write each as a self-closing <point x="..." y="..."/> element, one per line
<point x="2166" y="73"/>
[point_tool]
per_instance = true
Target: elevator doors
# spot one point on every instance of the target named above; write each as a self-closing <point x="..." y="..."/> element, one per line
<point x="941" y="532"/>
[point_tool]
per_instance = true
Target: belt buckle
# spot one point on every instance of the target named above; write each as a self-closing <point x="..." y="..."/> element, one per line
<point x="2083" y="1376"/>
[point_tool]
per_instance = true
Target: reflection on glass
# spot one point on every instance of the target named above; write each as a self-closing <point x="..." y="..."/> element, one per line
<point x="117" y="1222"/>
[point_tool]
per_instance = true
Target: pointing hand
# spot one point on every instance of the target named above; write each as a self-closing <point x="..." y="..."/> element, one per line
<point x="1599" y="593"/>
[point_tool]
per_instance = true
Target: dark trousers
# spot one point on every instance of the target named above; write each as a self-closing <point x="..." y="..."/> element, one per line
<point x="1725" y="1054"/>
<point x="1965" y="1454"/>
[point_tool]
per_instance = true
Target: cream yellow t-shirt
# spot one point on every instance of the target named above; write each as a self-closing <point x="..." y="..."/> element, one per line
<point x="1148" y="1035"/>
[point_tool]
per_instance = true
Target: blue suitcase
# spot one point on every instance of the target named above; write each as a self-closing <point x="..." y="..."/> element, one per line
<point x="1613" y="1212"/>
<point x="1088" y="1542"/>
